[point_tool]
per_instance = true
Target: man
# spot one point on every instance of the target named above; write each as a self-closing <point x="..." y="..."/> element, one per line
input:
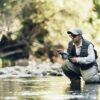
<point x="81" y="60"/>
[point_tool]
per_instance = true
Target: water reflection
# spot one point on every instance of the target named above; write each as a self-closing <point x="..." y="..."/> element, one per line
<point x="48" y="88"/>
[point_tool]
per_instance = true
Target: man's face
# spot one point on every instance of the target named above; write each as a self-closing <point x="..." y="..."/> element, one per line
<point x="75" y="38"/>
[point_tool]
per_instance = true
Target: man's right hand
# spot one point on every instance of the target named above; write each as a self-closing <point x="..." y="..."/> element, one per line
<point x="59" y="50"/>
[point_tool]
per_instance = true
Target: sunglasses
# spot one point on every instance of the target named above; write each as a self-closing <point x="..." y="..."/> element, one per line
<point x="73" y="36"/>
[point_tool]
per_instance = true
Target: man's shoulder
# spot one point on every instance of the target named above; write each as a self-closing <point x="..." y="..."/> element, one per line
<point x="70" y="42"/>
<point x="86" y="41"/>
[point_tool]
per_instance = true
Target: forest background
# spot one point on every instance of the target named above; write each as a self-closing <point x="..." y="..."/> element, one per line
<point x="42" y="24"/>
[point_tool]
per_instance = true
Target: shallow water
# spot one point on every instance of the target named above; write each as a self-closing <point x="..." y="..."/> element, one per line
<point x="47" y="88"/>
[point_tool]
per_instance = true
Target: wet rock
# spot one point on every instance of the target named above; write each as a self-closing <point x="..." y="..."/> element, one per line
<point x="1" y="73"/>
<point x="22" y="62"/>
<point x="44" y="73"/>
<point x="54" y="73"/>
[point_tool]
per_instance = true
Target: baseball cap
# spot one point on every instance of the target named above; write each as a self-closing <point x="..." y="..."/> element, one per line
<point x="75" y="31"/>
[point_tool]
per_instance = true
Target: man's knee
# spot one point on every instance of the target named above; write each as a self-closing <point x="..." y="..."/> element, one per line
<point x="94" y="79"/>
<point x="69" y="71"/>
<point x="65" y="65"/>
<point x="71" y="74"/>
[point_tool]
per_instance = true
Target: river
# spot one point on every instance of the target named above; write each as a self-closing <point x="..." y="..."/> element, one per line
<point x="46" y="88"/>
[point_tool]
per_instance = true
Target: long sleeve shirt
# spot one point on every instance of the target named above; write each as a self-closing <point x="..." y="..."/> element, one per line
<point x="86" y="60"/>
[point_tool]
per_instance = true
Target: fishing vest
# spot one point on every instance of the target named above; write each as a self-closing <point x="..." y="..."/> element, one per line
<point x="83" y="53"/>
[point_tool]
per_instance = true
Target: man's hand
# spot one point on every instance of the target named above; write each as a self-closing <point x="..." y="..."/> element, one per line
<point x="59" y="50"/>
<point x="73" y="60"/>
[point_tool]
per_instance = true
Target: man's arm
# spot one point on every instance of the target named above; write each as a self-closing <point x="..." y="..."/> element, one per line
<point x="62" y="53"/>
<point x="90" y="58"/>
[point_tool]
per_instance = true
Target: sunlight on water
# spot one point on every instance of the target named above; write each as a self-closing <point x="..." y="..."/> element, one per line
<point x="47" y="88"/>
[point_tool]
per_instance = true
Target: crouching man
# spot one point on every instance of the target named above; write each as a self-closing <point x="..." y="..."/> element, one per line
<point x="81" y="60"/>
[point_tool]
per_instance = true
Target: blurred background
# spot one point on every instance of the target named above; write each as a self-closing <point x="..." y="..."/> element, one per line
<point x="32" y="29"/>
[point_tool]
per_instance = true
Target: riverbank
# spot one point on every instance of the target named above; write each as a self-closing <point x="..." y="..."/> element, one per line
<point x="32" y="69"/>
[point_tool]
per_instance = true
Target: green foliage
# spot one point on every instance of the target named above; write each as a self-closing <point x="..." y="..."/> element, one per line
<point x="47" y="21"/>
<point x="97" y="7"/>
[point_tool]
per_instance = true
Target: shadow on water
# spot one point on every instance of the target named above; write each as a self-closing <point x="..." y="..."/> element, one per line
<point x="47" y="88"/>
